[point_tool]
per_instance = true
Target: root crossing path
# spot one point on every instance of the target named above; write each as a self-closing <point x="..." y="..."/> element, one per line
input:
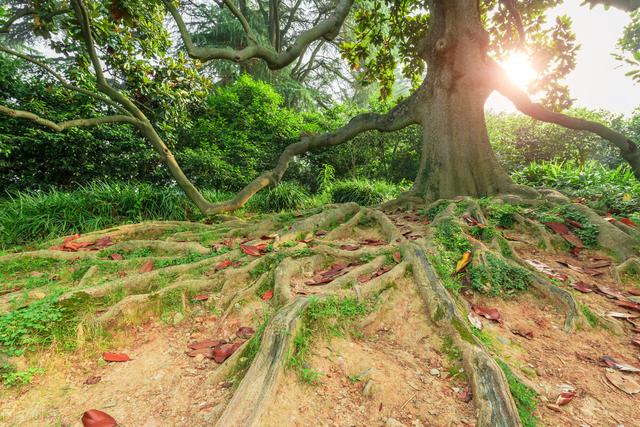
<point x="461" y="313"/>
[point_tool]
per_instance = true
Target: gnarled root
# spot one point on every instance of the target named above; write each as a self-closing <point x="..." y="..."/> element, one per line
<point x="490" y="389"/>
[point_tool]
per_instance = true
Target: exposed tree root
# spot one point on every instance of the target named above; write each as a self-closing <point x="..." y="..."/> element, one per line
<point x="256" y="389"/>
<point x="490" y="390"/>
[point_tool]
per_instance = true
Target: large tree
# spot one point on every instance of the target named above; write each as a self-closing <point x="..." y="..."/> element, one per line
<point x="119" y="52"/>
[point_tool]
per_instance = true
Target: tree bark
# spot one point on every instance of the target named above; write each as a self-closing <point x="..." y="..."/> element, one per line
<point x="457" y="158"/>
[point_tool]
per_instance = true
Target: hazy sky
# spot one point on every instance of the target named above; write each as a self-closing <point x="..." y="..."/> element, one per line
<point x="598" y="82"/>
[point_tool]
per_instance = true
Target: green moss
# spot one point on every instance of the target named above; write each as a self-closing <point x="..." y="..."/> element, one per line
<point x="500" y="214"/>
<point x="525" y="398"/>
<point x="463" y="331"/>
<point x="588" y="233"/>
<point x="454" y="356"/>
<point x="592" y="319"/>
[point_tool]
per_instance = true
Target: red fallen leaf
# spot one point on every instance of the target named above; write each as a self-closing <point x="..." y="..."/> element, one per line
<point x="102" y="243"/>
<point x="636" y="341"/>
<point x="558" y="227"/>
<point x="320" y="233"/>
<point x="201" y="297"/>
<point x="565" y="397"/>
<point x="117" y="257"/>
<point x="147" y="266"/>
<point x="524" y="333"/>
<point x="95" y="418"/>
<point x="575" y="251"/>
<point x="267" y="295"/>
<point x="380" y="271"/>
<point x="582" y="287"/>
<point x="221" y="353"/>
<point x="319" y="281"/>
<point x="470" y="220"/>
<point x="397" y="256"/>
<point x="307" y="240"/>
<point x="205" y="344"/>
<point x="122" y="274"/>
<point x="222" y="265"/>
<point x="334" y="270"/>
<point x="488" y="313"/>
<point x="349" y="247"/>
<point x="628" y="222"/>
<point x="236" y="264"/>
<point x="250" y="250"/>
<point x="613" y="363"/>
<point x="634" y="291"/>
<point x="269" y="237"/>
<point x="115" y="357"/>
<point x="245" y="332"/>
<point x="364" y="278"/>
<point x="573" y="223"/>
<point x="609" y="218"/>
<point x="630" y="305"/>
<point x="94" y="379"/>
<point x="205" y="351"/>
<point x="261" y="247"/>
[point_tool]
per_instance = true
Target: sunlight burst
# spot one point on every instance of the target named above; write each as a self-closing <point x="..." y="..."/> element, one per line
<point x="519" y="69"/>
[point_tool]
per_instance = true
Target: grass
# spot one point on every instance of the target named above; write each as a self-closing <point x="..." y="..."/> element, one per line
<point x="454" y="356"/>
<point x="498" y="278"/>
<point x="363" y="191"/>
<point x="592" y="319"/>
<point x="525" y="398"/>
<point x="329" y="317"/>
<point x="588" y="234"/>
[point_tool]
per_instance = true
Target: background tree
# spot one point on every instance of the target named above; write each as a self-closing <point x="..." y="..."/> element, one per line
<point x="121" y="56"/>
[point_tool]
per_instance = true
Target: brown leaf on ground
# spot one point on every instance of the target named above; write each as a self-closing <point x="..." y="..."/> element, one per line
<point x="94" y="379"/>
<point x="95" y="418"/>
<point x="609" y="292"/>
<point x="583" y="287"/>
<point x="147" y="266"/>
<point x="465" y="394"/>
<point x="117" y="257"/>
<point x="623" y="382"/>
<point x="628" y="304"/>
<point x="474" y="319"/>
<point x="321" y="233"/>
<point x="558" y="227"/>
<point x="222" y="265"/>
<point x="621" y="366"/>
<point x="349" y="247"/>
<point x="267" y="295"/>
<point x="250" y="250"/>
<point x="205" y="351"/>
<point x="487" y="312"/>
<point x="627" y="221"/>
<point x="115" y="357"/>
<point x="599" y="264"/>
<point x="223" y="352"/>
<point x="522" y="332"/>
<point x="364" y="278"/>
<point x="636" y="340"/>
<point x="205" y="344"/>
<point x="565" y="397"/>
<point x="373" y="242"/>
<point x="619" y="315"/>
<point x="397" y="256"/>
<point x="201" y="297"/>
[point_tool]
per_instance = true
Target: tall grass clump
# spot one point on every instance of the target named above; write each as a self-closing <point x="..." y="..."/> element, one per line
<point x="31" y="216"/>
<point x="285" y="196"/>
<point x="363" y="191"/>
<point x="606" y="190"/>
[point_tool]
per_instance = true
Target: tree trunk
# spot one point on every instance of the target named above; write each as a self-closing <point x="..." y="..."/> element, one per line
<point x="457" y="158"/>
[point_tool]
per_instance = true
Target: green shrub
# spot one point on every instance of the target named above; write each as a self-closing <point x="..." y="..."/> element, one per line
<point x="283" y="197"/>
<point x="363" y="192"/>
<point x="606" y="190"/>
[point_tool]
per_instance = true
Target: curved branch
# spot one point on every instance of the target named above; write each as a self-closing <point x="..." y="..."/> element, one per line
<point x="327" y="29"/>
<point x="28" y="12"/>
<point x="59" y="127"/>
<point x="400" y="116"/>
<point x="503" y="84"/>
<point x="61" y="79"/>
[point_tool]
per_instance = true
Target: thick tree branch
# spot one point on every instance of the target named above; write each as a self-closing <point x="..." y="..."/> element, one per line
<point x="62" y="80"/>
<point x="516" y="17"/>
<point x="401" y="116"/>
<point x="59" y="127"/>
<point x="503" y="84"/>
<point x="6" y="27"/>
<point x="327" y="29"/>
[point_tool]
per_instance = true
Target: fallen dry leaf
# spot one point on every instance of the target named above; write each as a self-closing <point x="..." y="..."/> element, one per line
<point x="565" y="397"/>
<point x="205" y="351"/>
<point x="147" y="266"/>
<point x="582" y="287"/>
<point x="475" y="320"/>
<point x="267" y="295"/>
<point x="245" y="332"/>
<point x="94" y="379"/>
<point x="321" y="233"/>
<point x="636" y="340"/>
<point x="223" y="352"/>
<point x="364" y="278"/>
<point x="95" y="418"/>
<point x="463" y="262"/>
<point x="618" y="315"/>
<point x="349" y="247"/>
<point x="115" y="357"/>
<point x="373" y="242"/>
<point x="397" y="256"/>
<point x="222" y="265"/>
<point x="250" y="250"/>
<point x="523" y="332"/>
<point x="117" y="257"/>
<point x="201" y="297"/>
<point x="623" y="382"/>
<point x="488" y="313"/>
<point x="205" y="344"/>
<point x="613" y="363"/>
<point x="627" y="221"/>
<point x="630" y="305"/>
